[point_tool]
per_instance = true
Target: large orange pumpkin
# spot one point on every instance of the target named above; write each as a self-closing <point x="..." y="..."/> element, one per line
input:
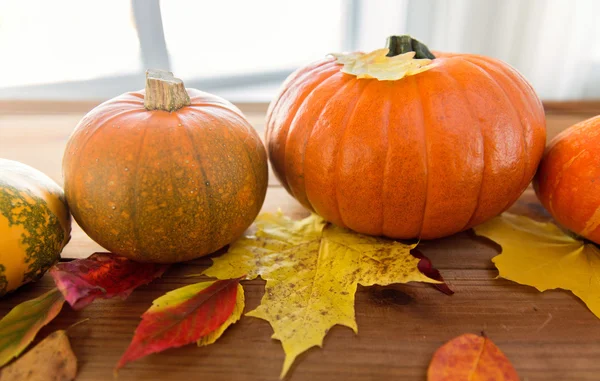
<point x="423" y="156"/>
<point x="568" y="179"/>
<point x="166" y="174"/>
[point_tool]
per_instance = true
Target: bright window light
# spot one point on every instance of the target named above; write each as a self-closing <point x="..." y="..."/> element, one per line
<point x="212" y="38"/>
<point x="70" y="40"/>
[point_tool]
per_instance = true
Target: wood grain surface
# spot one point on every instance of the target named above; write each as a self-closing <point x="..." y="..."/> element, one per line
<point x="547" y="336"/>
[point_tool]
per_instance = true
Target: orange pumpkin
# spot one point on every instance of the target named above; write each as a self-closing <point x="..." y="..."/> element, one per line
<point x="419" y="156"/>
<point x="568" y="179"/>
<point x="165" y="175"/>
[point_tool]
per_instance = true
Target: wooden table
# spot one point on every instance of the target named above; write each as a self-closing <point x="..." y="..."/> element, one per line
<point x="548" y="336"/>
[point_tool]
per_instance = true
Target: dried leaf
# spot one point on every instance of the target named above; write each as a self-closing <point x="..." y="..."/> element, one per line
<point x="377" y="64"/>
<point x="199" y="312"/>
<point x="19" y="327"/>
<point x="50" y="360"/>
<point x="470" y="357"/>
<point x="102" y="275"/>
<point x="541" y="255"/>
<point x="312" y="270"/>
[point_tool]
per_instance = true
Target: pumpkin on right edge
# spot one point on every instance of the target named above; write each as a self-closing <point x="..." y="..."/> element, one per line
<point x="568" y="179"/>
<point x="404" y="143"/>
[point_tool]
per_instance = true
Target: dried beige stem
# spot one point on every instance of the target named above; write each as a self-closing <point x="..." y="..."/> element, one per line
<point x="164" y="91"/>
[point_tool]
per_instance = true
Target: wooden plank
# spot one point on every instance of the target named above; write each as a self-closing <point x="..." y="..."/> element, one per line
<point x="23" y="107"/>
<point x="589" y="108"/>
<point x="46" y="107"/>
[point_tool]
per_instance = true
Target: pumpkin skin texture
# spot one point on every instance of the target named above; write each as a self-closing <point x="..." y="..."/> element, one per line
<point x="163" y="187"/>
<point x="35" y="224"/>
<point x="425" y="156"/>
<point x="568" y="179"/>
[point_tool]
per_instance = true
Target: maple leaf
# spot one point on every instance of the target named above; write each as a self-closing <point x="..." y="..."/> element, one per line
<point x="19" y="327"/>
<point x="470" y="357"/>
<point x="51" y="359"/>
<point x="377" y="64"/>
<point x="541" y="255"/>
<point x="198" y="312"/>
<point x="312" y="271"/>
<point x="102" y="275"/>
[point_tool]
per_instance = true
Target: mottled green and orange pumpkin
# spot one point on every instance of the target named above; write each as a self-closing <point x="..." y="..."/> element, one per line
<point x="165" y="174"/>
<point x="386" y="144"/>
<point x="568" y="179"/>
<point x="35" y="224"/>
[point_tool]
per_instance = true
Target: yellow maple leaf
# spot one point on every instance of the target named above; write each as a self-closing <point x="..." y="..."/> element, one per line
<point x="312" y="269"/>
<point x="541" y="255"/>
<point x="377" y="64"/>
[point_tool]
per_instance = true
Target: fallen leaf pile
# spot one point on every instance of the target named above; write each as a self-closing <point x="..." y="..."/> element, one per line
<point x="198" y="312"/>
<point x="470" y="357"/>
<point x="79" y="282"/>
<point x="541" y="255"/>
<point x="312" y="270"/>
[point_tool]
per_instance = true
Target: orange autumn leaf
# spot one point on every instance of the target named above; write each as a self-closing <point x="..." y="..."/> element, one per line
<point x="470" y="358"/>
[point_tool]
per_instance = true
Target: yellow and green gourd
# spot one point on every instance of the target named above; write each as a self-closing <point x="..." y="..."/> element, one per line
<point x="35" y="224"/>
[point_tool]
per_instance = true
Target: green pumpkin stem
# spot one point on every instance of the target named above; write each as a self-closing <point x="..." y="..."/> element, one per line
<point x="164" y="91"/>
<point x="404" y="44"/>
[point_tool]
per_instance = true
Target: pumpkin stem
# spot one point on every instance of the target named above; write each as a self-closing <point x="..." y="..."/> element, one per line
<point x="404" y="44"/>
<point x="164" y="91"/>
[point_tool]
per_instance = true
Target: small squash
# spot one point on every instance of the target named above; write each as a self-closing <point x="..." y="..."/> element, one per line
<point x="404" y="143"/>
<point x="568" y="179"/>
<point x="165" y="175"/>
<point x="35" y="224"/>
